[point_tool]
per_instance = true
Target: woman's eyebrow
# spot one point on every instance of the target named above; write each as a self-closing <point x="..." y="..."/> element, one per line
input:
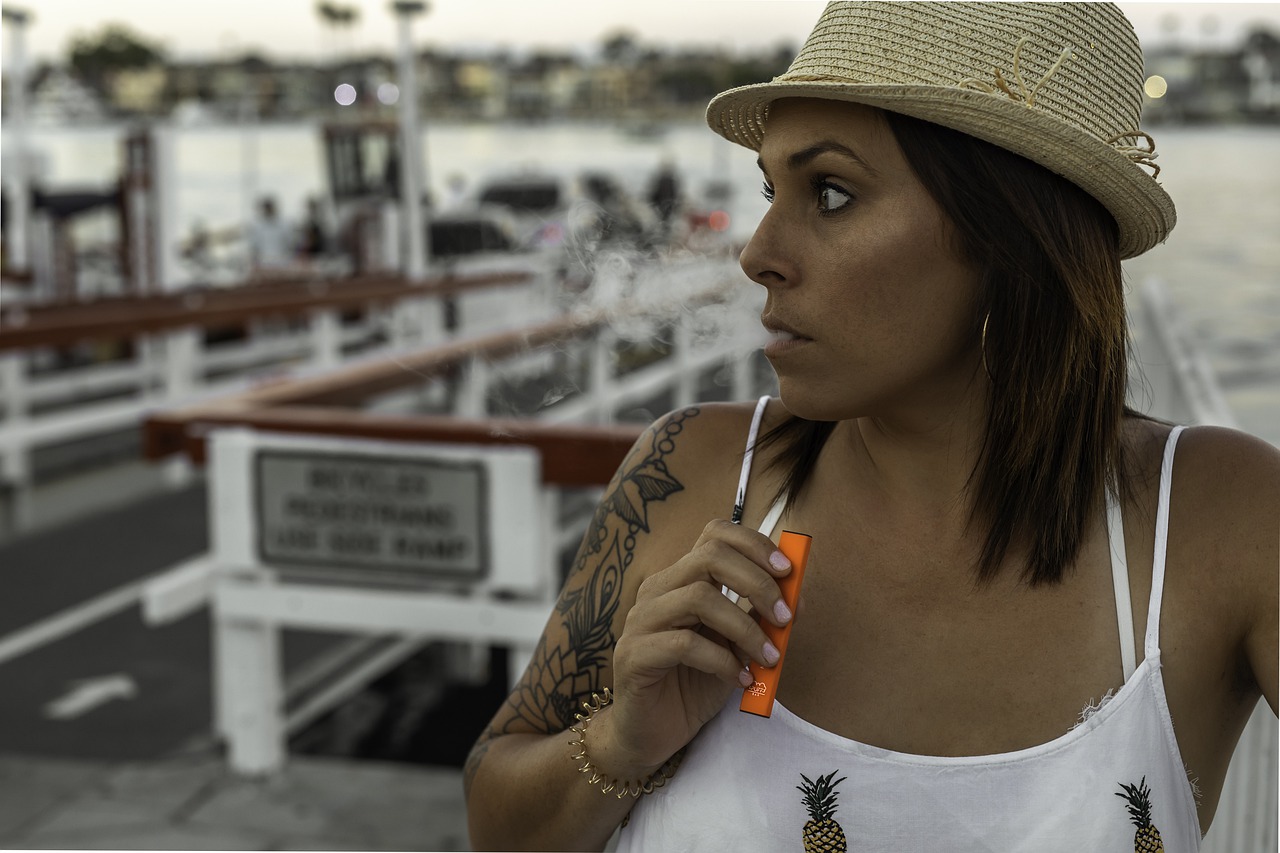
<point x="805" y="155"/>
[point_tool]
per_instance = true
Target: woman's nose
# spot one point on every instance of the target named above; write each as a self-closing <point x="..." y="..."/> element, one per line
<point x="763" y="259"/>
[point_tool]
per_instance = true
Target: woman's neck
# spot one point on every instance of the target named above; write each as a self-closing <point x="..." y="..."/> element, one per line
<point x="922" y="465"/>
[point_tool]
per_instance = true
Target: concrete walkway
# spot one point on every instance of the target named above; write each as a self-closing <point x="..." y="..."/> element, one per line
<point x="192" y="802"/>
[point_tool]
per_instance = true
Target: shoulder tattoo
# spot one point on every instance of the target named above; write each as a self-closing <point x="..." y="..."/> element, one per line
<point x="563" y="673"/>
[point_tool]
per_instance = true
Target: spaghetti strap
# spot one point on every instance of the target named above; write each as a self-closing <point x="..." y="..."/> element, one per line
<point x="740" y="500"/>
<point x="775" y="513"/>
<point x="1161" y="545"/>
<point x="1120" y="581"/>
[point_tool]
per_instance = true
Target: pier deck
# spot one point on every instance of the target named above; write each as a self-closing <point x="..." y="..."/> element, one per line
<point x="191" y="801"/>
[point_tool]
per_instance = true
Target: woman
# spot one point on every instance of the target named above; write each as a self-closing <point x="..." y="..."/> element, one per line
<point x="1017" y="586"/>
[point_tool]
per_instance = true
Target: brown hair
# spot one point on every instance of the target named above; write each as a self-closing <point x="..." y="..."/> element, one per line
<point x="1052" y="303"/>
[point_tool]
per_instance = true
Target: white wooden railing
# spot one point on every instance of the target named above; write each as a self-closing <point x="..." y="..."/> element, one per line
<point x="258" y="706"/>
<point x="44" y="403"/>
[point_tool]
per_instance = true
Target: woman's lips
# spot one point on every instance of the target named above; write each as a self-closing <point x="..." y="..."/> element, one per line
<point x="782" y="338"/>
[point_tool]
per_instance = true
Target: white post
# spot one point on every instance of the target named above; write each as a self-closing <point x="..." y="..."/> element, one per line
<point x="164" y="193"/>
<point x="473" y="390"/>
<point x="411" y="179"/>
<point x="326" y="338"/>
<point x="600" y="376"/>
<point x="16" y="177"/>
<point x="15" y="460"/>
<point x="181" y="368"/>
<point x="247" y="676"/>
<point x="249" y="697"/>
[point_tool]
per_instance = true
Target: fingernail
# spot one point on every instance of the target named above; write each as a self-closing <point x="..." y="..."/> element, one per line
<point x="779" y="561"/>
<point x="771" y="654"/>
<point x="745" y="678"/>
<point x="781" y="611"/>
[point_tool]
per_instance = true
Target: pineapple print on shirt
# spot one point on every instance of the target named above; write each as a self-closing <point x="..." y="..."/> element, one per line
<point x="821" y="833"/>
<point x="1147" y="838"/>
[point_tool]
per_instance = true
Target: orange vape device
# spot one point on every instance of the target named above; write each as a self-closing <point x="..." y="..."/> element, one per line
<point x="758" y="698"/>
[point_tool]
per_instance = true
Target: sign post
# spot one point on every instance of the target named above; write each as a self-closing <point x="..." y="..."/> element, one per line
<point x="435" y="541"/>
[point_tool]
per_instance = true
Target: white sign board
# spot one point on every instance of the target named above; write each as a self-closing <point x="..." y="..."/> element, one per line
<point x="357" y="509"/>
<point x="372" y="512"/>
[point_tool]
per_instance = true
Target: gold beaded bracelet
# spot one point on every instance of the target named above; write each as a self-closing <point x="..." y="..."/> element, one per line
<point x="607" y="784"/>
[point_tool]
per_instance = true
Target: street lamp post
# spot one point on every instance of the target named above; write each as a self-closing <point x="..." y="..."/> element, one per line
<point x="411" y="157"/>
<point x="17" y="177"/>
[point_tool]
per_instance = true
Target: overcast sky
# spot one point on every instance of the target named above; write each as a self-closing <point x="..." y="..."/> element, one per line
<point x="290" y="29"/>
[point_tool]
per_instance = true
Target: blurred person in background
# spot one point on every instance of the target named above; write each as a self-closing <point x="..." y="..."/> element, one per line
<point x="664" y="194"/>
<point x="315" y="233"/>
<point x="271" y="239"/>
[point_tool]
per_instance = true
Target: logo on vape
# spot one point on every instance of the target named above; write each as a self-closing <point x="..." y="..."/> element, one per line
<point x="757" y="689"/>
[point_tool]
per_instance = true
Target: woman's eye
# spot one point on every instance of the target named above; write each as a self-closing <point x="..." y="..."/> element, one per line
<point x="831" y="198"/>
<point x="767" y="192"/>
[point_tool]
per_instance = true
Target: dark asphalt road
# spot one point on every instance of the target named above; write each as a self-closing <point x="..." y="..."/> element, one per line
<point x="168" y="666"/>
<point x="57" y="568"/>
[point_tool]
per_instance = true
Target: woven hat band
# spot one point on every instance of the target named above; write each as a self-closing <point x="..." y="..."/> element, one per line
<point x="972" y="44"/>
<point x="1057" y="83"/>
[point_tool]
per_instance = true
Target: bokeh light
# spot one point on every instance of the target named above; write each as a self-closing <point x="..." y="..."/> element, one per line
<point x="719" y="220"/>
<point x="388" y="93"/>
<point x="1156" y="86"/>
<point x="345" y="94"/>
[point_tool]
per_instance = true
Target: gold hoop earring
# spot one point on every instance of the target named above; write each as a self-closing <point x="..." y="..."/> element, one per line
<point x="983" y="346"/>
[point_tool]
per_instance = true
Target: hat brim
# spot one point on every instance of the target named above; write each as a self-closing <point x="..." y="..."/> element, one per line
<point x="1143" y="211"/>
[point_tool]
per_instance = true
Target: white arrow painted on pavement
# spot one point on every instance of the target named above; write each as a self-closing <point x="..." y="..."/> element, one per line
<point x="89" y="693"/>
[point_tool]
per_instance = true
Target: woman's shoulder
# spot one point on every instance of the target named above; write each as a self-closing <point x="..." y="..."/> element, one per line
<point x="1218" y="472"/>
<point x="1223" y="544"/>
<point x="1224" y="518"/>
<point x="1229" y="480"/>
<point x="702" y="438"/>
<point x="681" y="473"/>
<point x="1222" y="487"/>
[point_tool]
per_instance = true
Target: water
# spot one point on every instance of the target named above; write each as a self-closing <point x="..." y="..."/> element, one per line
<point x="1221" y="264"/>
<point x="1222" y="261"/>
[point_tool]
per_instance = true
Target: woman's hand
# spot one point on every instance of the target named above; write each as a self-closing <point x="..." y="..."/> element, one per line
<point x="685" y="645"/>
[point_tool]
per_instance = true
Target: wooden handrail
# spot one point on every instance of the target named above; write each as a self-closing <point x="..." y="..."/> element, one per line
<point x="357" y="383"/>
<point x="573" y="455"/>
<point x="61" y="325"/>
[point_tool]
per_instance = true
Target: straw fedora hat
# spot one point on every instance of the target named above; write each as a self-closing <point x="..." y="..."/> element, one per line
<point x="1058" y="83"/>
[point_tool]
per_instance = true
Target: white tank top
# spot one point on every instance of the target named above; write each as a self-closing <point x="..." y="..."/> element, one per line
<point x="1116" y="782"/>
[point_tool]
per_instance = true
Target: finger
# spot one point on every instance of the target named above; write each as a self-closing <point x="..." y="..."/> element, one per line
<point x="660" y="653"/>
<point x="752" y="545"/>
<point x="701" y="605"/>
<point x="721" y="564"/>
<point x="754" y="590"/>
<point x="716" y="637"/>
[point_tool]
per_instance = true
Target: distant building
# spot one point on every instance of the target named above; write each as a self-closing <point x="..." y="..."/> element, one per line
<point x="627" y="80"/>
<point x="1261" y="61"/>
<point x="1217" y="85"/>
<point x="60" y="97"/>
<point x="139" y="91"/>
